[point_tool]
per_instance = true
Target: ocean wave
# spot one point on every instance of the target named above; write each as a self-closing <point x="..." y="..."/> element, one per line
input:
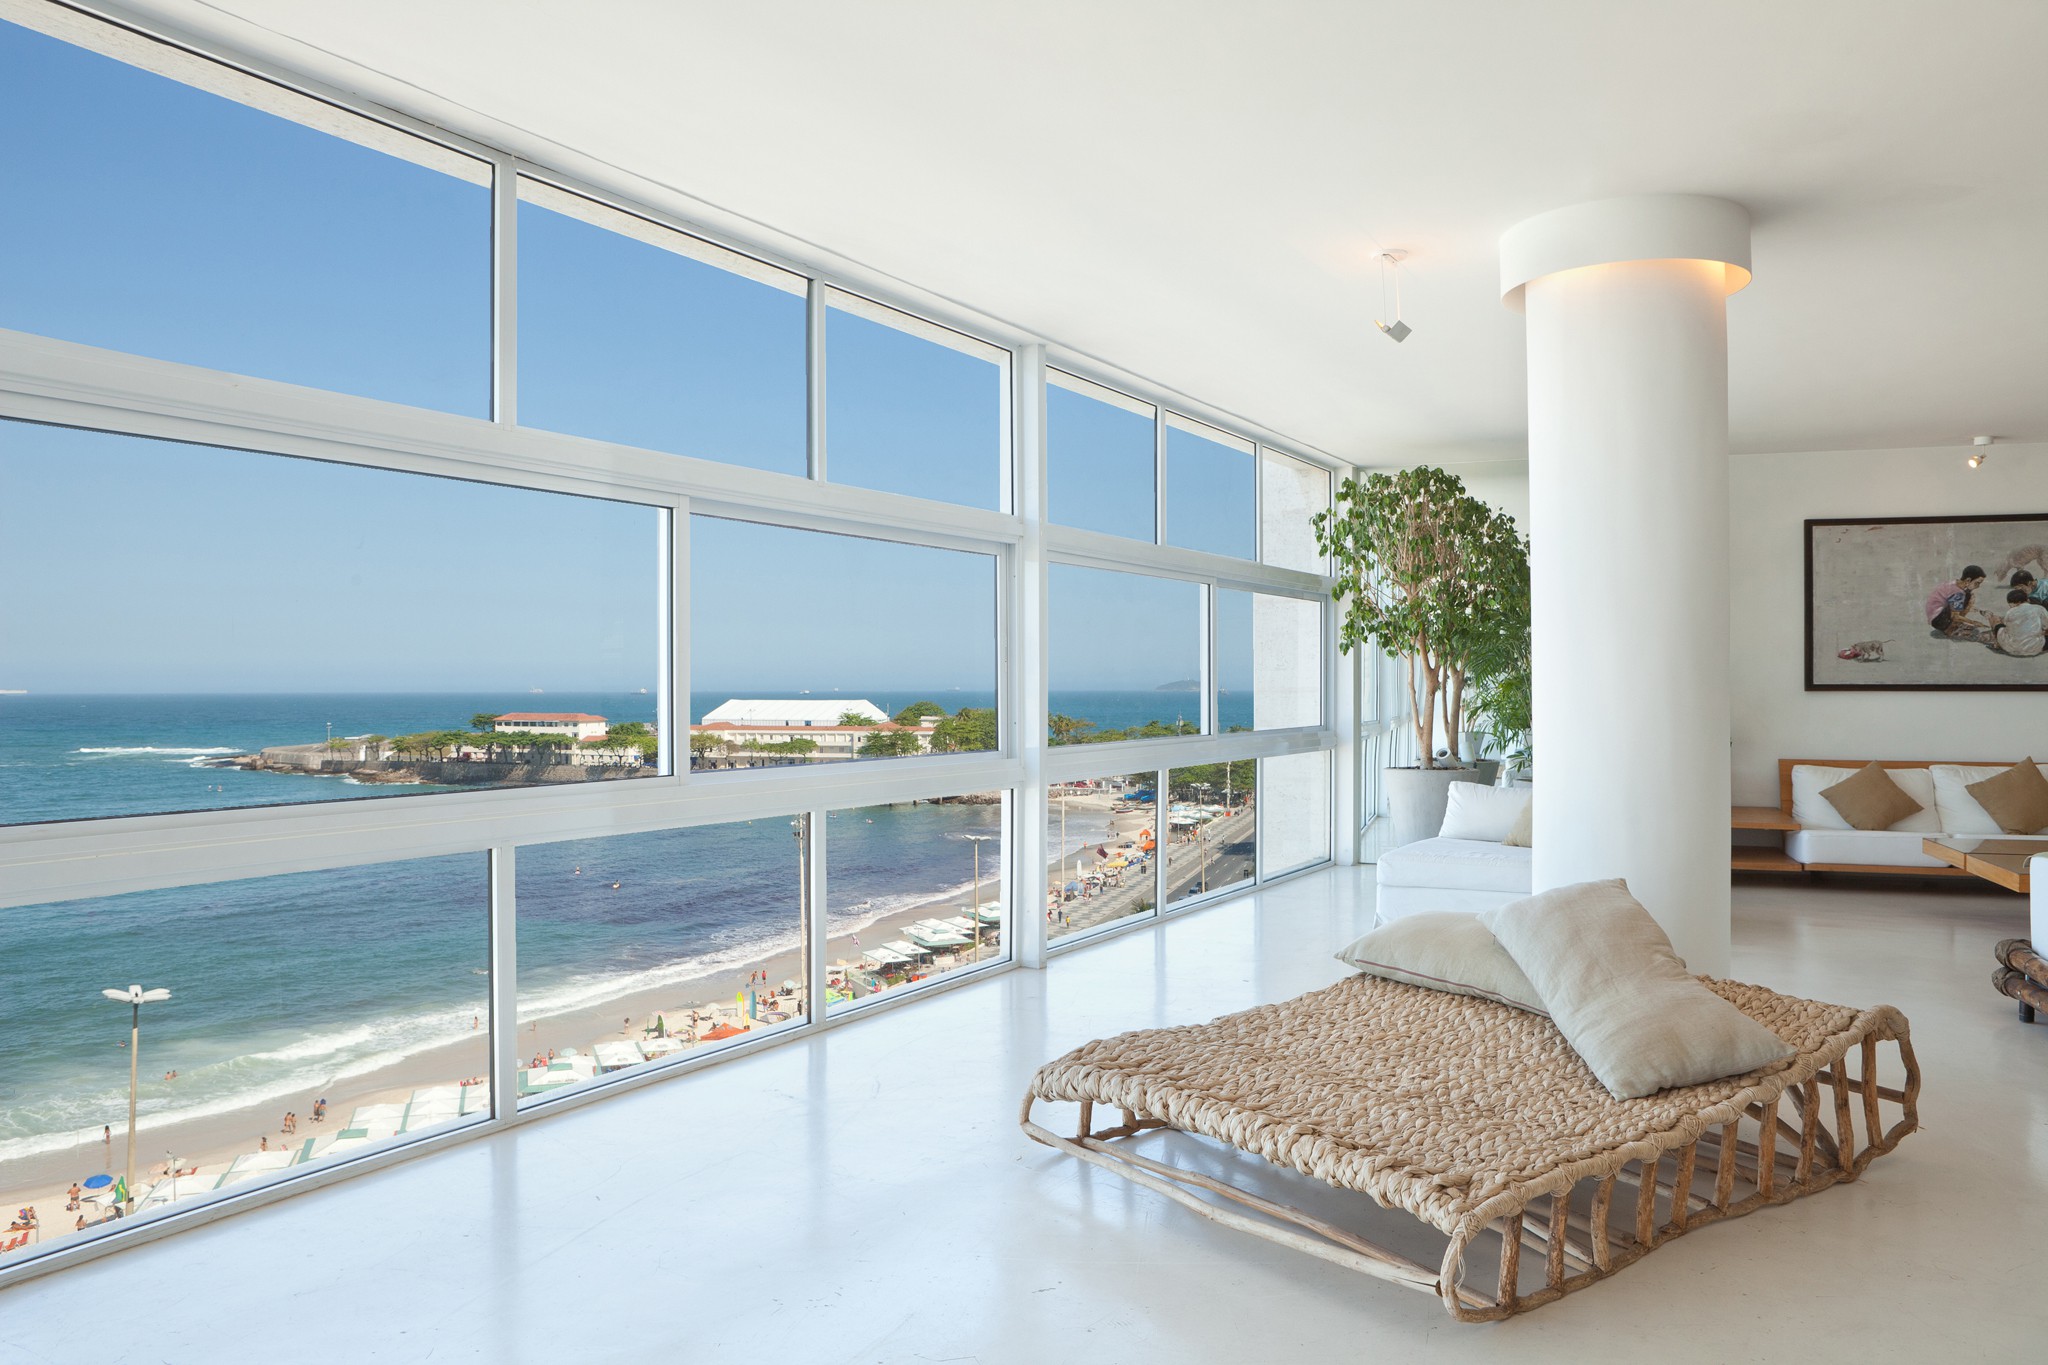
<point x="154" y="749"/>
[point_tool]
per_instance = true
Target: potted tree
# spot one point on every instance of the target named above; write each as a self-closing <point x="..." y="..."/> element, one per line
<point x="1414" y="556"/>
<point x="1499" y="664"/>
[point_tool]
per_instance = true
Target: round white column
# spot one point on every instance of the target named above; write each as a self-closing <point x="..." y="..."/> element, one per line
<point x="1628" y="510"/>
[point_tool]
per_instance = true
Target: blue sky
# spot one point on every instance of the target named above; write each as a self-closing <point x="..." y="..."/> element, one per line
<point x="147" y="216"/>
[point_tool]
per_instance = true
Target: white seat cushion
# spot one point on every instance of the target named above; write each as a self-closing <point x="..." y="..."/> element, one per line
<point x="1872" y="847"/>
<point x="1814" y="811"/>
<point x="1959" y="811"/>
<point x="1458" y="865"/>
<point x="1485" y="814"/>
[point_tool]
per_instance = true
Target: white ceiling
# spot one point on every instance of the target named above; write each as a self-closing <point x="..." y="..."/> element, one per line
<point x="1193" y="190"/>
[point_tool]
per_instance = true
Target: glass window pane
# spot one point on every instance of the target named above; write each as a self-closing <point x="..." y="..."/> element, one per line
<point x="1291" y="491"/>
<point x="146" y="214"/>
<point x="1287" y="655"/>
<point x="237" y="629"/>
<point x="1209" y="492"/>
<point x="1212" y="835"/>
<point x="914" y="890"/>
<point x="355" y="1001"/>
<point x="1294" y="794"/>
<point x="640" y="947"/>
<point x="1106" y="832"/>
<point x="910" y="407"/>
<point x="1269" y="661"/>
<point x="1099" y="458"/>
<point x="1125" y="655"/>
<point x="632" y="333"/>
<point x="807" y="647"/>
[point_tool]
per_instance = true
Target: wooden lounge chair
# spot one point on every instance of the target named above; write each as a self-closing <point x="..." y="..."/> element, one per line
<point x="1482" y="1122"/>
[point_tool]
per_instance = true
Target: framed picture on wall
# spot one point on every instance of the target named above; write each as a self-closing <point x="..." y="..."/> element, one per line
<point x="1927" y="603"/>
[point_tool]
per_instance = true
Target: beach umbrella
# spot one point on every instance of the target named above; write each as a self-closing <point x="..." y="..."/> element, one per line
<point x="97" y="1182"/>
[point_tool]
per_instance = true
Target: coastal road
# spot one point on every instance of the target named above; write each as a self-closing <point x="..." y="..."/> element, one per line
<point x="1229" y="845"/>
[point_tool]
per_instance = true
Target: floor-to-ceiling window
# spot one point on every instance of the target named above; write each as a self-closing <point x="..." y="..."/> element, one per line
<point x="474" y="639"/>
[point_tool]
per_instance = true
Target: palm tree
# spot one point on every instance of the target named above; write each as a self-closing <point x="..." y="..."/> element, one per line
<point x="1064" y="728"/>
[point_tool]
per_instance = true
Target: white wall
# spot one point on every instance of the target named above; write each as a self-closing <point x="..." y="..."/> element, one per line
<point x="1774" y="716"/>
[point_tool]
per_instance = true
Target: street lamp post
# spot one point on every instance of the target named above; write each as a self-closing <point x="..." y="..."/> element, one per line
<point x="135" y="997"/>
<point x="977" y="840"/>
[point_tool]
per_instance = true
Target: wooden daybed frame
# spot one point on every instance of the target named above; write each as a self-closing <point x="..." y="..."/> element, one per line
<point x="1386" y="1089"/>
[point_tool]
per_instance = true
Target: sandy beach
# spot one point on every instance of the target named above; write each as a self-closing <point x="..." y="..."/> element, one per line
<point x="211" y="1143"/>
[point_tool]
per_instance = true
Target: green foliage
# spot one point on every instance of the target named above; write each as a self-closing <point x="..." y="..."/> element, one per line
<point x="1420" y="566"/>
<point x="1151" y="729"/>
<point x="482" y="720"/>
<point x="787" y="747"/>
<point x="917" y="711"/>
<point x="889" y="744"/>
<point x="630" y="729"/>
<point x="1230" y="781"/>
<point x="854" y="718"/>
<point x="1066" y="729"/>
<point x="971" y="729"/>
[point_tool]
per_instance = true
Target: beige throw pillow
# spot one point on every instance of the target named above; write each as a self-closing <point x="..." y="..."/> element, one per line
<point x="1445" y="950"/>
<point x="2017" y="798"/>
<point x="1622" y="998"/>
<point x="1523" y="835"/>
<point x="1871" y="800"/>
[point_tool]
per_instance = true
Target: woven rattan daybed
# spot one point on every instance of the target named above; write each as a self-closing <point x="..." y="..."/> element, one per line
<point x="1482" y="1122"/>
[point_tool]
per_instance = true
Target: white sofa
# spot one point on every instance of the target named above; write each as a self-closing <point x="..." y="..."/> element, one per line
<point x="1824" y="841"/>
<point x="1466" y="866"/>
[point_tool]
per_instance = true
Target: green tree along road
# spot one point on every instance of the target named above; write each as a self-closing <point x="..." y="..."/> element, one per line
<point x="917" y="711"/>
<point x="889" y="744"/>
<point x="971" y="729"/>
<point x="853" y="718"/>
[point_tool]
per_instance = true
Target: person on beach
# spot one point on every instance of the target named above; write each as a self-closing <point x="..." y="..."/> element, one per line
<point x="263" y="1143"/>
<point x="80" y="1227"/>
<point x="107" y="1135"/>
<point x="72" y="1195"/>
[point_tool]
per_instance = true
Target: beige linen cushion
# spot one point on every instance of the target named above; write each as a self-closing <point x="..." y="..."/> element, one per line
<point x="1445" y="950"/>
<point x="1812" y="810"/>
<point x="2017" y="798"/>
<point x="1523" y="835"/>
<point x="1871" y="800"/>
<point x="1959" y="811"/>
<point x="1622" y="998"/>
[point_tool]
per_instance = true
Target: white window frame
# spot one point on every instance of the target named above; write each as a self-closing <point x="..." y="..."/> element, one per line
<point x="61" y="383"/>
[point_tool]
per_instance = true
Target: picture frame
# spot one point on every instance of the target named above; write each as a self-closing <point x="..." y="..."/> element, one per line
<point x="1889" y="606"/>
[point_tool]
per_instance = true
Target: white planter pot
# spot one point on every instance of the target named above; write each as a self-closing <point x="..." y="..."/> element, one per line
<point x="1416" y="798"/>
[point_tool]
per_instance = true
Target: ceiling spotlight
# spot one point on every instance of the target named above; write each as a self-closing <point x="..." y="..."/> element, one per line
<point x="1396" y="329"/>
<point x="1982" y="449"/>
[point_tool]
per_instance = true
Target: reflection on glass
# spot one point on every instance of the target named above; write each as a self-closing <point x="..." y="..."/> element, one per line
<point x="1125" y="655"/>
<point x="1210" y="500"/>
<point x="631" y="333"/>
<point x="641" y="947"/>
<point x="1291" y="492"/>
<point x="310" y="1018"/>
<point x="1295" y="792"/>
<point x="915" y="890"/>
<point x="911" y="408"/>
<point x="1287" y="661"/>
<point x="1212" y="835"/>
<point x="1237" y="665"/>
<point x="1099" y="458"/>
<point x="237" y="629"/>
<point x="147" y="215"/>
<point x="810" y="648"/>
<point x="1106" y="832"/>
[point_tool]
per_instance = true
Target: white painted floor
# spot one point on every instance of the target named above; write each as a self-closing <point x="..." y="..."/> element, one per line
<point x="865" y="1196"/>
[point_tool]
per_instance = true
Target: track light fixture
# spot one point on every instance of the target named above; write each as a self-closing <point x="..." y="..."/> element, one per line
<point x="1391" y="260"/>
<point x="1981" y="450"/>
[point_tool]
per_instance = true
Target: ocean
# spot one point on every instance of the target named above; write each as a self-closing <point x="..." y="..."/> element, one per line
<point x="285" y="986"/>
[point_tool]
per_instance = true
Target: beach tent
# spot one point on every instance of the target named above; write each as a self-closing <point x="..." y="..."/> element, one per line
<point x="438" y="1104"/>
<point x="962" y="925"/>
<point x="908" y="952"/>
<point x="653" y="1048"/>
<point x="378" y="1120"/>
<point x="931" y="935"/>
<point x="476" y="1099"/>
<point x="722" y="1032"/>
<point x="882" y="957"/>
<point x="619" y="1053"/>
